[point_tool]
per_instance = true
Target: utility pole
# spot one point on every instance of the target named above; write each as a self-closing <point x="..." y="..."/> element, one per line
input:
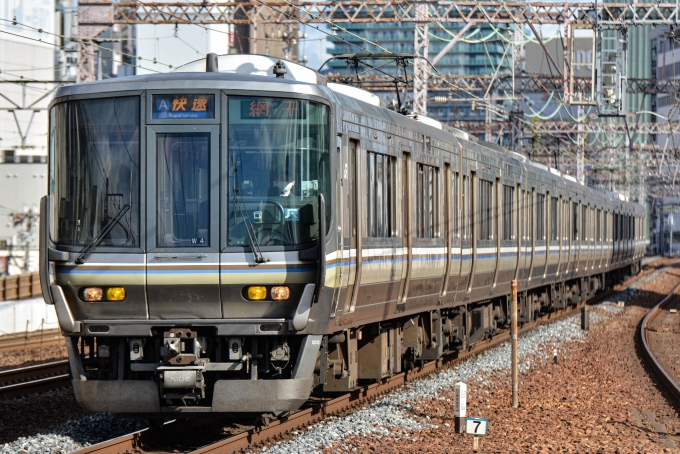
<point x="27" y="221"/>
<point x="421" y="45"/>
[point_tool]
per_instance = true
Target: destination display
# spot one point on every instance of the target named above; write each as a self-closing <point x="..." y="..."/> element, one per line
<point x="271" y="108"/>
<point x="178" y="106"/>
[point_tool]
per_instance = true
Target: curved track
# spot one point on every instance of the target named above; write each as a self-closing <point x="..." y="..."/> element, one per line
<point x="31" y="379"/>
<point x="167" y="438"/>
<point x="645" y="328"/>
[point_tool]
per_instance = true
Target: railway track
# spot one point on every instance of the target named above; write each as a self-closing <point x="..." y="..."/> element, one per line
<point x="30" y="379"/>
<point x="34" y="339"/>
<point x="656" y="323"/>
<point x="169" y="437"/>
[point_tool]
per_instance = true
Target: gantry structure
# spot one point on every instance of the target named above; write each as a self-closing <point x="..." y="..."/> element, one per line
<point x="588" y="144"/>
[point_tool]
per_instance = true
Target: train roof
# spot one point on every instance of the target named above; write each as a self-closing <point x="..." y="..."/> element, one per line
<point x="247" y="72"/>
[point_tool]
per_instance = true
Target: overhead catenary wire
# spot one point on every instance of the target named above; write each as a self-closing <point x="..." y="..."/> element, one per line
<point x="78" y="40"/>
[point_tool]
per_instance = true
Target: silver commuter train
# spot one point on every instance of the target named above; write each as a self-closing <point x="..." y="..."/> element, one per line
<point x="180" y="238"/>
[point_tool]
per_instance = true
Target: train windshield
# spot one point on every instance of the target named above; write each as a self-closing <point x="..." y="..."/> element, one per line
<point x="278" y="164"/>
<point x="94" y="172"/>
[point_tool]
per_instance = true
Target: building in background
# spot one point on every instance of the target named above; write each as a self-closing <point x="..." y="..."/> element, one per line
<point x="27" y="55"/>
<point x="665" y="65"/>
<point x="466" y="58"/>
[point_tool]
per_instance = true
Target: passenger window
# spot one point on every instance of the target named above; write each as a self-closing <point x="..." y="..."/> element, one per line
<point x="426" y="202"/>
<point x="466" y="221"/>
<point x="605" y="229"/>
<point x="584" y="223"/>
<point x="380" y="195"/>
<point x="455" y="205"/>
<point x="540" y="217"/>
<point x="574" y="220"/>
<point x="183" y="172"/>
<point x="485" y="210"/>
<point x="508" y="213"/>
<point x="553" y="219"/>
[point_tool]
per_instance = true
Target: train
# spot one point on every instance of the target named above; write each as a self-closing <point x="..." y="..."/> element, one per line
<point x="238" y="235"/>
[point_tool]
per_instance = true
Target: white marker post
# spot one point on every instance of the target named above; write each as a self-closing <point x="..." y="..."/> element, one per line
<point x="460" y="406"/>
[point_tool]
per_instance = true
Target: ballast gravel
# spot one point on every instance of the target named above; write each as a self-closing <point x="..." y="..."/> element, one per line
<point x="398" y="418"/>
<point x="74" y="435"/>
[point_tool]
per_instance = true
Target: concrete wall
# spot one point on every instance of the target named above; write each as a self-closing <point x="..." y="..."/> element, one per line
<point x="21" y="187"/>
<point x="15" y="314"/>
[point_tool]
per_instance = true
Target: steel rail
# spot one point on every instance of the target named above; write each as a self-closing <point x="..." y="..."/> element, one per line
<point x="40" y="377"/>
<point x="656" y="366"/>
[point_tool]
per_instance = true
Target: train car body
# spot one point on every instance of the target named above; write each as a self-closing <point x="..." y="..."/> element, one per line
<point x="180" y="239"/>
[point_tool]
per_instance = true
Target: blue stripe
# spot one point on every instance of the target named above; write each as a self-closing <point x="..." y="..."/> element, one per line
<point x="277" y="270"/>
<point x="182" y="271"/>
<point x="99" y="272"/>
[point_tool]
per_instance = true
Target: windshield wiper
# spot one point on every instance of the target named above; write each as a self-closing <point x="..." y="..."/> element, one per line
<point x="250" y="230"/>
<point x="87" y="250"/>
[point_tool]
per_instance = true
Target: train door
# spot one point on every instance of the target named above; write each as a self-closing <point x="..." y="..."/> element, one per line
<point x="559" y="228"/>
<point x="527" y="235"/>
<point x="448" y="225"/>
<point x="351" y="260"/>
<point x="575" y="248"/>
<point x="567" y="235"/>
<point x="182" y="222"/>
<point x="407" y="229"/>
<point x="540" y="245"/>
<point x="465" y="234"/>
<point x="455" y="249"/>
<point x="474" y="219"/>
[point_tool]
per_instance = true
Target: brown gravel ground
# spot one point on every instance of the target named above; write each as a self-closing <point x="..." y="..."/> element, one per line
<point x="600" y="398"/>
<point x="16" y="358"/>
<point x="663" y="335"/>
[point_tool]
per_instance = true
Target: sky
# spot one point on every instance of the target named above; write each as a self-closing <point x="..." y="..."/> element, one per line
<point x="184" y="43"/>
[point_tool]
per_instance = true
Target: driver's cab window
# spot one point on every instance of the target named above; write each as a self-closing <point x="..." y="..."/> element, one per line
<point x="278" y="164"/>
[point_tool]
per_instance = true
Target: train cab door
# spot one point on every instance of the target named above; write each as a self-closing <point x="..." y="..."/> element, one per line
<point x="351" y="232"/>
<point x="182" y="222"/>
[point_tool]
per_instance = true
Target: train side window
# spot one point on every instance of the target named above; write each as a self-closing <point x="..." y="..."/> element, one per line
<point x="530" y="217"/>
<point x="466" y="220"/>
<point x="426" y="201"/>
<point x="380" y="203"/>
<point x="485" y="210"/>
<point x="574" y="220"/>
<point x="508" y="213"/>
<point x="617" y="227"/>
<point x="540" y="217"/>
<point x="632" y="228"/>
<point x="584" y="224"/>
<point x="604" y="226"/>
<point x="525" y="215"/>
<point x="598" y="227"/>
<point x="553" y="219"/>
<point x="455" y="204"/>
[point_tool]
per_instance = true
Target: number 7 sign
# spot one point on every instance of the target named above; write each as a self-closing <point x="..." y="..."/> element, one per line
<point x="479" y="427"/>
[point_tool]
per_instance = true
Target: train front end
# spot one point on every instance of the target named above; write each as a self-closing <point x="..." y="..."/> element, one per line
<point x="180" y="242"/>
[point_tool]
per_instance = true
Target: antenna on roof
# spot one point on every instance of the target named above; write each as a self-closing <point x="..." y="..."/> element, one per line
<point x="211" y="63"/>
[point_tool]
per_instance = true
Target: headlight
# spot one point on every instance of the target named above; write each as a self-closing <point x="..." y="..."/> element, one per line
<point x="257" y="293"/>
<point x="92" y="294"/>
<point x="115" y="294"/>
<point x="280" y="293"/>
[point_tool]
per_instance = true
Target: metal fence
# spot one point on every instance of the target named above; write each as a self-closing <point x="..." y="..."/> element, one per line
<point x="20" y="286"/>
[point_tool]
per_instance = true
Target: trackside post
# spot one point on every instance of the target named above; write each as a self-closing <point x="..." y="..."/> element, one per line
<point x="513" y="332"/>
